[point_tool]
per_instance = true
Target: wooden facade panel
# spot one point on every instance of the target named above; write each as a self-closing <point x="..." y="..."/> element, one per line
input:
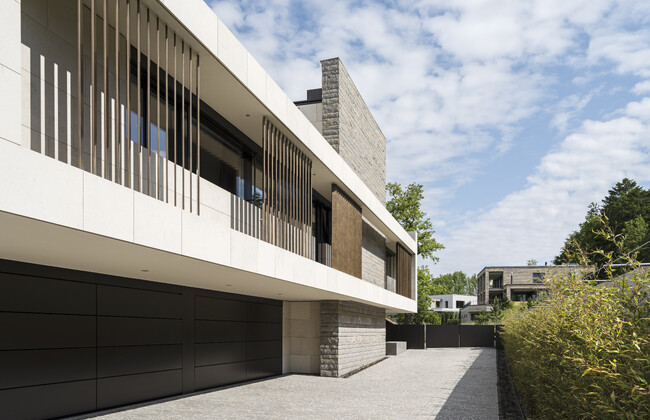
<point x="347" y="227"/>
<point x="286" y="222"/>
<point x="404" y="272"/>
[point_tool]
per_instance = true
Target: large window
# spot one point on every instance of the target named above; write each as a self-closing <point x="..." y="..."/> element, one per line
<point x="538" y="278"/>
<point x="228" y="158"/>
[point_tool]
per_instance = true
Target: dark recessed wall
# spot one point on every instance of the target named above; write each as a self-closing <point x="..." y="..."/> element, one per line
<point x="77" y="342"/>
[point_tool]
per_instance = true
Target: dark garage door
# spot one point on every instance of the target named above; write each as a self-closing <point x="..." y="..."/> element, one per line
<point x="74" y="342"/>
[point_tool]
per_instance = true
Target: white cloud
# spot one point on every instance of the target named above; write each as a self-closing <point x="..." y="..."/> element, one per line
<point x="453" y="83"/>
<point x="642" y="87"/>
<point x="533" y="222"/>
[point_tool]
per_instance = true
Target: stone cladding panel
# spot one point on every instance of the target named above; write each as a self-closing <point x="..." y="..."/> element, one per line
<point x="353" y="335"/>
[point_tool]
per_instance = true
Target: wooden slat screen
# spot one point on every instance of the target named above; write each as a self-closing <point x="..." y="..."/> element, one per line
<point x="347" y="227"/>
<point x="404" y="272"/>
<point x="286" y="207"/>
<point x="120" y="143"/>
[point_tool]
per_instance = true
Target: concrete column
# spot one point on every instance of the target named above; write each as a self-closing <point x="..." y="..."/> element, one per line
<point x="301" y="328"/>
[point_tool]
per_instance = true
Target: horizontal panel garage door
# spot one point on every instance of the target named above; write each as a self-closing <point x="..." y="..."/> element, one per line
<point x="74" y="342"/>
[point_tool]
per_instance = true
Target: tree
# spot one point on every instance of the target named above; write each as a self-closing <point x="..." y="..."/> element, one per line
<point x="531" y="262"/>
<point x="499" y="310"/>
<point x="423" y="316"/>
<point x="457" y="283"/>
<point x="406" y="207"/>
<point x="626" y="210"/>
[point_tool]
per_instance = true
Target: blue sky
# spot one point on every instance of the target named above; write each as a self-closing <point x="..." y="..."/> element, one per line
<point x="514" y="115"/>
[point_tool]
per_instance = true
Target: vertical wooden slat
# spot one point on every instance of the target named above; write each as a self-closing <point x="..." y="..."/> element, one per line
<point x="276" y="226"/>
<point x="271" y="192"/>
<point x="281" y="188"/>
<point x="303" y="209"/>
<point x="157" y="165"/>
<point x="306" y="245"/>
<point x="175" y="79"/>
<point x="118" y="143"/>
<point x="189" y="126"/>
<point x="283" y="191"/>
<point x="264" y="179"/>
<point x="167" y="114"/>
<point x="272" y="186"/>
<point x="265" y="182"/>
<point x="80" y="91"/>
<point x="290" y="191"/>
<point x="295" y="199"/>
<point x="138" y="93"/>
<point x="268" y="182"/>
<point x="309" y="192"/>
<point x="147" y="93"/>
<point x="106" y="92"/>
<point x="183" y="124"/>
<point x="198" y="137"/>
<point x="93" y="78"/>
<point x="127" y="127"/>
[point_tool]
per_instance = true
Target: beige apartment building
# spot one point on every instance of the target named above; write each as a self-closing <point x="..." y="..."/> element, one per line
<point x="517" y="283"/>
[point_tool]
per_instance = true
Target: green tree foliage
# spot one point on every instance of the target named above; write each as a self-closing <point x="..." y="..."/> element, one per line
<point x="627" y="211"/>
<point x="531" y="262"/>
<point x="500" y="307"/>
<point x="406" y="207"/>
<point x="457" y="283"/>
<point x="584" y="351"/>
<point x="449" y="318"/>
<point x="423" y="316"/>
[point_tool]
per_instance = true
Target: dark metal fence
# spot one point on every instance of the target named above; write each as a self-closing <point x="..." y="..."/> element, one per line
<point x="442" y="335"/>
<point x="412" y="334"/>
<point x="477" y="336"/>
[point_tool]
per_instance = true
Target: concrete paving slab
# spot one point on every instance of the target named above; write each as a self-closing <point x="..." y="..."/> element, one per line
<point x="443" y="383"/>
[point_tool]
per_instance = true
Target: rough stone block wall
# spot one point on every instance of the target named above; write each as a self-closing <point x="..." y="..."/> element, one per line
<point x="348" y="125"/>
<point x="373" y="255"/>
<point x="353" y="335"/>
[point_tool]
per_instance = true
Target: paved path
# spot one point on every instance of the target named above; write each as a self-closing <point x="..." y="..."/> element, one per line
<point x="458" y="383"/>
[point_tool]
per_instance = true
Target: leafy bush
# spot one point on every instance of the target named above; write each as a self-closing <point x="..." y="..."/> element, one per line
<point x="500" y="307"/>
<point x="584" y="350"/>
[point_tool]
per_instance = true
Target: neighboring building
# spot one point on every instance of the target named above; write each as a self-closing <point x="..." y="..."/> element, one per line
<point x="469" y="312"/>
<point x="517" y="283"/>
<point x="184" y="225"/>
<point x="451" y="303"/>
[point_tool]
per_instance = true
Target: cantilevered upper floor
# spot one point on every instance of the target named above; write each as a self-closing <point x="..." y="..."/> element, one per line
<point x="184" y="162"/>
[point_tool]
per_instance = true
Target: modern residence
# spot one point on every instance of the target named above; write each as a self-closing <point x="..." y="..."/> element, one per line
<point x="516" y="283"/>
<point x="451" y="303"/>
<point x="171" y="221"/>
<point x="469" y="312"/>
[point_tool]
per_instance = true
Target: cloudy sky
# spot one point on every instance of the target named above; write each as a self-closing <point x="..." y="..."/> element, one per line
<point x="514" y="115"/>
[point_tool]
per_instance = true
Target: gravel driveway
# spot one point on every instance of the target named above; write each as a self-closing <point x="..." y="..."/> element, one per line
<point x="446" y="383"/>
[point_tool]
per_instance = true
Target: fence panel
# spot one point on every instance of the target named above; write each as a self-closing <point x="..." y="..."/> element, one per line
<point x="412" y="334"/>
<point x="477" y="336"/>
<point x="443" y="336"/>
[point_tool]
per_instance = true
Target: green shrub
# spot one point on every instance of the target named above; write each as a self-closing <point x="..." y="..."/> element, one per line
<point x="583" y="351"/>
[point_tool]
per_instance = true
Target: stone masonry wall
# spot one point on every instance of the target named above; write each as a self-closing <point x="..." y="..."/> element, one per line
<point x="348" y="125"/>
<point x="373" y="255"/>
<point x="353" y="335"/>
